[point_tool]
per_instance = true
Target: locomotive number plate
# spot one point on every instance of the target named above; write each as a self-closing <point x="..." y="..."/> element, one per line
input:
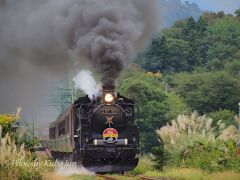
<point x="110" y="135"/>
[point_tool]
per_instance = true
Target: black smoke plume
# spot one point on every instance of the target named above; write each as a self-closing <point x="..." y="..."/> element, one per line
<point x="40" y="39"/>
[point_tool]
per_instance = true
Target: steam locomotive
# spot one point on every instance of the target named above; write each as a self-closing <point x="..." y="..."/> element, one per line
<point x="101" y="133"/>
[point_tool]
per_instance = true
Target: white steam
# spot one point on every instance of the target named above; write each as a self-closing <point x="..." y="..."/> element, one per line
<point x="69" y="171"/>
<point x="86" y="82"/>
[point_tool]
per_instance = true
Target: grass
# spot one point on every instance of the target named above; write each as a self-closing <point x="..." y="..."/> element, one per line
<point x="186" y="174"/>
<point x="145" y="164"/>
<point x="192" y="141"/>
<point x="169" y="174"/>
<point x="192" y="174"/>
<point x="226" y="176"/>
<point x="14" y="161"/>
<point x="55" y="176"/>
<point x="145" y="169"/>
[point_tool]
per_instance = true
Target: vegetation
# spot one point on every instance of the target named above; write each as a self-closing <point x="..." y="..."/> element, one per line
<point x="207" y="91"/>
<point x="145" y="165"/>
<point x="192" y="66"/>
<point x="11" y="157"/>
<point x="16" y="160"/>
<point x="145" y="169"/>
<point x="226" y="116"/>
<point x="155" y="103"/>
<point x="6" y="121"/>
<point x="193" y="142"/>
<point x="209" y="42"/>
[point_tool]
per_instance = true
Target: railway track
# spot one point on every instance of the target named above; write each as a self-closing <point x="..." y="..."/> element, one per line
<point x="160" y="178"/>
<point x="129" y="177"/>
<point x="148" y="178"/>
<point x="106" y="177"/>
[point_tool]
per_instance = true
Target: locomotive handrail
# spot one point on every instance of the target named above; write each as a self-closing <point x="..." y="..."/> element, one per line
<point x="81" y="107"/>
<point x="81" y="104"/>
<point x="138" y="113"/>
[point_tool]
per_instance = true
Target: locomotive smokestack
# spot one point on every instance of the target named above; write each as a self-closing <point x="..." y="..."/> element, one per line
<point x="109" y="88"/>
<point x="108" y="94"/>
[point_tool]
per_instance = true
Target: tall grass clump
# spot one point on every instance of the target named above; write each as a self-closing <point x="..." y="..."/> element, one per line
<point x="145" y="164"/>
<point x="10" y="154"/>
<point x="191" y="141"/>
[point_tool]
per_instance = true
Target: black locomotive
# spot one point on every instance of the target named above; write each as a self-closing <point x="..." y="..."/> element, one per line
<point x="102" y="133"/>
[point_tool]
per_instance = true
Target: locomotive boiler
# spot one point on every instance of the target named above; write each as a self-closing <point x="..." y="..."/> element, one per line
<point x="101" y="133"/>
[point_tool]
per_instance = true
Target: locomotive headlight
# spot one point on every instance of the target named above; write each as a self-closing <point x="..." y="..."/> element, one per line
<point x="108" y="98"/>
<point x="126" y="141"/>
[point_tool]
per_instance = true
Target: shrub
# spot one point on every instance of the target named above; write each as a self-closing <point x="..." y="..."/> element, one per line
<point x="145" y="164"/>
<point x="226" y="116"/>
<point x="6" y="121"/>
<point x="191" y="141"/>
<point x="9" y="154"/>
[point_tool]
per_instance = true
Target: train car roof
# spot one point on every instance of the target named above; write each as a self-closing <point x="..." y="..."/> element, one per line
<point x="61" y="116"/>
<point x="52" y="124"/>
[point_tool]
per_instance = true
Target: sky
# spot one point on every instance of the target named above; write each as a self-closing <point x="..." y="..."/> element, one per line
<point x="228" y="6"/>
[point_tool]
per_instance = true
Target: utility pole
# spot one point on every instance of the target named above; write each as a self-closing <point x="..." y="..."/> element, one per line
<point x="33" y="125"/>
<point x="238" y="118"/>
<point x="63" y="95"/>
<point x="239" y="115"/>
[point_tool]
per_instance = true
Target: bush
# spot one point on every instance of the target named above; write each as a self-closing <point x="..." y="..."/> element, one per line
<point x="6" y="121"/>
<point x="192" y="142"/>
<point x="145" y="164"/>
<point x="9" y="154"/>
<point x="226" y="116"/>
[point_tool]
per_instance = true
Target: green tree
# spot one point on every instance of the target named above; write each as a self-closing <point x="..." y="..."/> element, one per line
<point x="178" y="48"/>
<point x="211" y="41"/>
<point x="150" y="97"/>
<point x="223" y="39"/>
<point x="207" y="92"/>
<point x="233" y="68"/>
<point x="237" y="12"/>
<point x="176" y="105"/>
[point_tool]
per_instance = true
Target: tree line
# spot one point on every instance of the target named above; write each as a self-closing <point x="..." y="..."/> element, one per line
<point x="192" y="66"/>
